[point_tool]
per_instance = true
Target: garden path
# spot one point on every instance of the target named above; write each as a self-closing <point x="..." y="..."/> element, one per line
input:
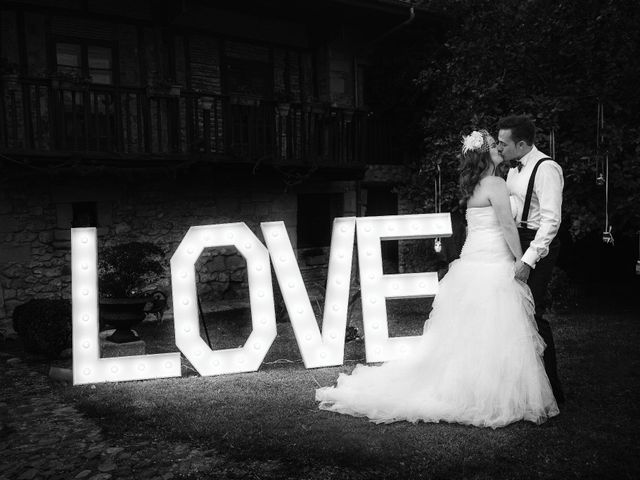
<point x="43" y="437"/>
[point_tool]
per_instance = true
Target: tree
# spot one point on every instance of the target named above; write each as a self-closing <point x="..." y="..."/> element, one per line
<point x="554" y="61"/>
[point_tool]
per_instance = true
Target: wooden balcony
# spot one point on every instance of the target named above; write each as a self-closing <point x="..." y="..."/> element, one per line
<point x="41" y="117"/>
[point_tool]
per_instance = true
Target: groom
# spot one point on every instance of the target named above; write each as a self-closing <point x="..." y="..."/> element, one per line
<point x="535" y="184"/>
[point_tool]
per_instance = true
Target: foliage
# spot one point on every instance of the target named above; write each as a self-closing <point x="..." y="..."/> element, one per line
<point x="44" y="325"/>
<point x="129" y="269"/>
<point x="553" y="61"/>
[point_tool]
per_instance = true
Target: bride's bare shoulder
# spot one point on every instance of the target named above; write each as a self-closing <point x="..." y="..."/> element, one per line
<point x="493" y="182"/>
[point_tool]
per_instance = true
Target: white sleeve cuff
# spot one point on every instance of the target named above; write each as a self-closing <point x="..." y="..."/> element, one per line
<point x="530" y="258"/>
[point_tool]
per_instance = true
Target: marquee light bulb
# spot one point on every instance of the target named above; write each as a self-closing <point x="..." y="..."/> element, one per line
<point x="371" y="231"/>
<point x="311" y="340"/>
<point x="186" y="321"/>
<point x="88" y="367"/>
<point x="318" y="347"/>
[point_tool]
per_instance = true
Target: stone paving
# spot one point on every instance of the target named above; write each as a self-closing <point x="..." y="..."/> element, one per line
<point x="41" y="437"/>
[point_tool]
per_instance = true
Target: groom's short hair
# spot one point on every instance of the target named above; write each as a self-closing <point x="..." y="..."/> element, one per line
<point x="521" y="126"/>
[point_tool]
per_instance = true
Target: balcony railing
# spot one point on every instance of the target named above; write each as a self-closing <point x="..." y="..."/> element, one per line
<point x="43" y="116"/>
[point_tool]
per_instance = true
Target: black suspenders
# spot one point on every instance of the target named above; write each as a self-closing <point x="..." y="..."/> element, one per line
<point x="527" y="199"/>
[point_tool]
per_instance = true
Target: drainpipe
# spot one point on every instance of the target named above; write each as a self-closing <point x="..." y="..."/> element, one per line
<point x="412" y="15"/>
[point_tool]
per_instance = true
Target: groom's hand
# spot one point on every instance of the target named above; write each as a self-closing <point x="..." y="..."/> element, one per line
<point x="522" y="271"/>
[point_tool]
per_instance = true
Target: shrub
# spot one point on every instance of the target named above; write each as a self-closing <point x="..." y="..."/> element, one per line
<point x="128" y="269"/>
<point x="44" y="325"/>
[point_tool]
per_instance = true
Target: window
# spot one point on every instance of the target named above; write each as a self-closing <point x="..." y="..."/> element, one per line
<point x="84" y="60"/>
<point x="316" y="212"/>
<point x="100" y="67"/>
<point x="251" y="125"/>
<point x="87" y="117"/>
<point x="69" y="59"/>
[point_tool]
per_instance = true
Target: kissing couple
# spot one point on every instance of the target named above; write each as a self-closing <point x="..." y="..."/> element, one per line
<point x="486" y="356"/>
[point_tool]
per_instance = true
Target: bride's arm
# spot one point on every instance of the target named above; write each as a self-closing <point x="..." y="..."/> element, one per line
<point x="499" y="198"/>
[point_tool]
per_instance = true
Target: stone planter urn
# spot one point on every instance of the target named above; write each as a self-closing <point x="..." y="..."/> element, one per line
<point x="126" y="274"/>
<point x="123" y="314"/>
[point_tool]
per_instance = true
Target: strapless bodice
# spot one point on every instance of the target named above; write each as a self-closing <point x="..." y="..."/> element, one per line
<point x="482" y="218"/>
<point x="485" y="241"/>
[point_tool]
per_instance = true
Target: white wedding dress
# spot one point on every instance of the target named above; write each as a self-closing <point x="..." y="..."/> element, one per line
<point x="479" y="359"/>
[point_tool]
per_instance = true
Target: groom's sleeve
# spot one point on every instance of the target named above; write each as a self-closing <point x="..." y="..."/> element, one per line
<point x="548" y="189"/>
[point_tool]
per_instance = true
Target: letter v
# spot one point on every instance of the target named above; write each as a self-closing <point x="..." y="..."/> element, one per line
<point x="318" y="349"/>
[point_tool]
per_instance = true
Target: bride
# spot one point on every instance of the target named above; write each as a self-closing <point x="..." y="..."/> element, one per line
<point x="479" y="360"/>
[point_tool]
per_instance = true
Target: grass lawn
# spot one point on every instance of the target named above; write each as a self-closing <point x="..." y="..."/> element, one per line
<point x="270" y="416"/>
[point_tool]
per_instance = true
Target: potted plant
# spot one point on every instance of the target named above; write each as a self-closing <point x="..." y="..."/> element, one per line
<point x="283" y="103"/>
<point x="127" y="275"/>
<point x="69" y="81"/>
<point x="163" y="87"/>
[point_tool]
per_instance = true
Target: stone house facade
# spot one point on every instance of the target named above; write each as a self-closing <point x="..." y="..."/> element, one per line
<point x="143" y="119"/>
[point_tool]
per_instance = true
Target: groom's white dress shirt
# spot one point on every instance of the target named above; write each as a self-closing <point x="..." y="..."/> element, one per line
<point x="546" y="201"/>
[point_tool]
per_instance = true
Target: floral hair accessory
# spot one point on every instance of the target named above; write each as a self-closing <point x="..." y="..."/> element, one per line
<point x="476" y="141"/>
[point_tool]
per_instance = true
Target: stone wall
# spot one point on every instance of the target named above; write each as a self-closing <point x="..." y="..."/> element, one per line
<point x="36" y="212"/>
<point x="28" y="261"/>
<point x="36" y="216"/>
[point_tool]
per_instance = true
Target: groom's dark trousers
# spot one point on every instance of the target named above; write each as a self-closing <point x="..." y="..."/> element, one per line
<point x="538" y="282"/>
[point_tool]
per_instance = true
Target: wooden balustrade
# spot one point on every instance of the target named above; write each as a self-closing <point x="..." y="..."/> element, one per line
<point x="41" y="115"/>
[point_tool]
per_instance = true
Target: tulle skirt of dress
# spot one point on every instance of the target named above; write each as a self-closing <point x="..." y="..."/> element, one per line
<point x="478" y="362"/>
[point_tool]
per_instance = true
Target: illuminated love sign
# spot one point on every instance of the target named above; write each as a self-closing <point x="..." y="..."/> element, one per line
<point x="318" y="348"/>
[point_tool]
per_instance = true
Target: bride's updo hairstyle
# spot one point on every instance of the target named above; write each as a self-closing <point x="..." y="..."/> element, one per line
<point x="475" y="161"/>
